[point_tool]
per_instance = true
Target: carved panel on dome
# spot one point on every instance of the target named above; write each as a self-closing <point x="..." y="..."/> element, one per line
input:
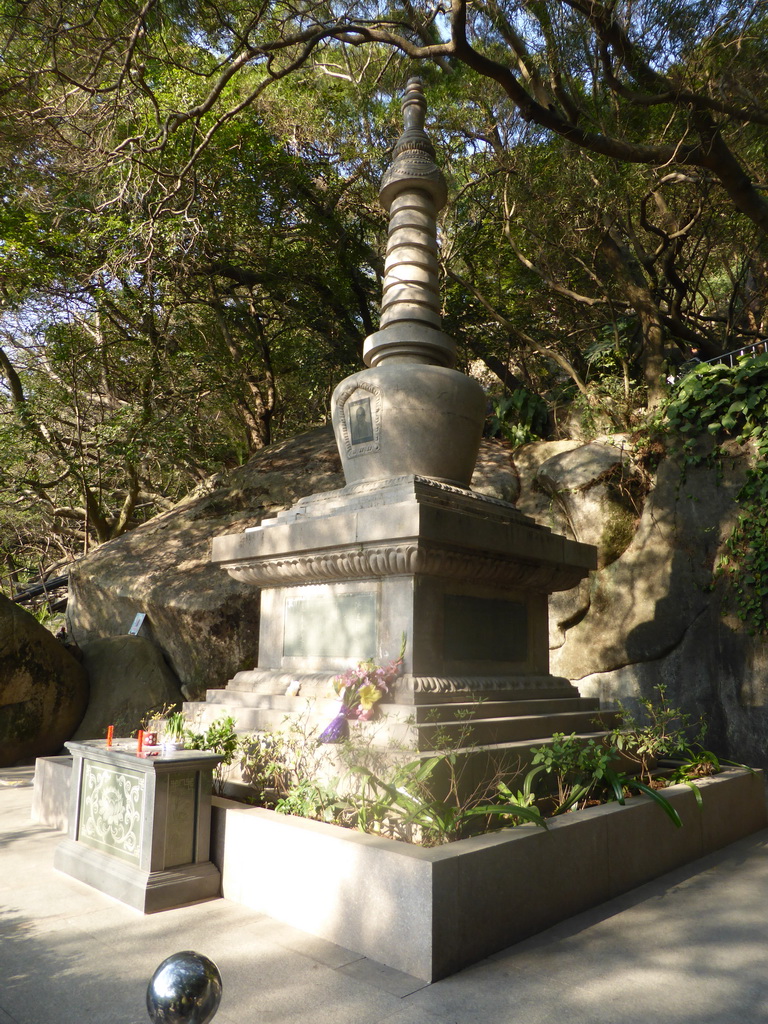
<point x="360" y="406"/>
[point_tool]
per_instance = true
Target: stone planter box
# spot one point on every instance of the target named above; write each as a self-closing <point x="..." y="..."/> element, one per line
<point x="431" y="912"/>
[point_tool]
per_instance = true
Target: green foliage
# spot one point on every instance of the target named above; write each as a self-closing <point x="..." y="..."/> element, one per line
<point x="579" y="768"/>
<point x="518" y="417"/>
<point x="731" y="403"/>
<point x="264" y="763"/>
<point x="584" y="774"/>
<point x="197" y="261"/>
<point x="724" y="402"/>
<point x="410" y="800"/>
<point x="176" y="727"/>
<point x="220" y="737"/>
<point x="699" y="763"/>
<point x="660" y="730"/>
<point x="313" y="798"/>
<point x="288" y="770"/>
<point x="746" y="563"/>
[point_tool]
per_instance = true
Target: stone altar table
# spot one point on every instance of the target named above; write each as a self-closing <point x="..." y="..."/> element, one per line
<point x="139" y="826"/>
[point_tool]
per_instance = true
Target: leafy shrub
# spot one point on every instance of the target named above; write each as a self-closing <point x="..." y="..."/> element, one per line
<point x="519" y="417"/>
<point x="408" y="803"/>
<point x="221" y="738"/>
<point x="659" y="731"/>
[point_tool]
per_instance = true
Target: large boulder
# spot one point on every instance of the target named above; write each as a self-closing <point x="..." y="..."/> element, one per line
<point x="591" y="492"/>
<point x="599" y="492"/>
<point x="642" y="604"/>
<point x="658" y="616"/>
<point x="205" y="623"/>
<point x="128" y="677"/>
<point x="43" y="688"/>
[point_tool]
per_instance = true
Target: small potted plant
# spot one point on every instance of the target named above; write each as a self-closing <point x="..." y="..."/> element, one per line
<point x="174" y="732"/>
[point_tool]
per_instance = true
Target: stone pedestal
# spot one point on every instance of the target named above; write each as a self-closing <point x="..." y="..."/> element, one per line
<point x="463" y="577"/>
<point x="139" y="826"/>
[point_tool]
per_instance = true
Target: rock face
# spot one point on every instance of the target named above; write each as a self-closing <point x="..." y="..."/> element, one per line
<point x="43" y="688"/>
<point x="655" y="616"/>
<point x="598" y="491"/>
<point x="128" y="676"/>
<point x="204" y="622"/>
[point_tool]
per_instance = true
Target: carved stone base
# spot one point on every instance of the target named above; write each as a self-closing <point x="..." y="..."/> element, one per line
<point x="463" y="578"/>
<point x="147" y="891"/>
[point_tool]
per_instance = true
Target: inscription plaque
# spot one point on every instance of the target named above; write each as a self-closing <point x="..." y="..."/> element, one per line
<point x="111" y="810"/>
<point x="181" y="819"/>
<point x="484" y="629"/>
<point x="325" y="624"/>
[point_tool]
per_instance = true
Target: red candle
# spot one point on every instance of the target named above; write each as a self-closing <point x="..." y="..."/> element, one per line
<point x="140" y="741"/>
<point x="110" y="734"/>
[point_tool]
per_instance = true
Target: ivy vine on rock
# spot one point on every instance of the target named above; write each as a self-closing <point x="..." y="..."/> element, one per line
<point x="731" y="403"/>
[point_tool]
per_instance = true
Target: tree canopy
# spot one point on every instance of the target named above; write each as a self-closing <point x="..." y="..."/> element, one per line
<point x="191" y="246"/>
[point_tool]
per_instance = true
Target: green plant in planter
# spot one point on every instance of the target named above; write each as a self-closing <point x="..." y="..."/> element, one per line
<point x="175" y="727"/>
<point x="316" y="799"/>
<point x="583" y="772"/>
<point x="264" y="765"/>
<point x="525" y="797"/>
<point x="579" y="768"/>
<point x="221" y="738"/>
<point x="662" y="731"/>
<point x="698" y="763"/>
<point x="408" y="801"/>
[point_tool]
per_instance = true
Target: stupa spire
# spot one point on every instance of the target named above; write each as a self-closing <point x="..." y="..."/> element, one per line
<point x="413" y="191"/>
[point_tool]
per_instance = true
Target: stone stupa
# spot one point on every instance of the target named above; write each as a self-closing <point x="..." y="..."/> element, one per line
<point x="406" y="549"/>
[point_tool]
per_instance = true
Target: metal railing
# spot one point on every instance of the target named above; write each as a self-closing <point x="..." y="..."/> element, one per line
<point x="732" y="357"/>
<point x="727" y="358"/>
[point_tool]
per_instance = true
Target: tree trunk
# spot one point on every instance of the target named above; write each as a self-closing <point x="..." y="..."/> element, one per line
<point x="629" y="274"/>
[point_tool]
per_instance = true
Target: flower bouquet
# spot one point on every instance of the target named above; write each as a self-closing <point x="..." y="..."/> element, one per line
<point x="359" y="689"/>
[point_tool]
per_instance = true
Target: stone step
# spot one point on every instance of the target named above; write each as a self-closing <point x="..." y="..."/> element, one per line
<point x="516" y="746"/>
<point x="393" y="728"/>
<point x="437" y="712"/>
<point x="503" y="730"/>
<point x="317" y="685"/>
<point x="486" y="709"/>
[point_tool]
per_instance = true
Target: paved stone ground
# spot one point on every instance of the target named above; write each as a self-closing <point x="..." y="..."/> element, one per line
<point x="689" y="947"/>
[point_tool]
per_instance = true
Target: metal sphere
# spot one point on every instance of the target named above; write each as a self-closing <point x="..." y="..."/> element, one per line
<point x="185" y="989"/>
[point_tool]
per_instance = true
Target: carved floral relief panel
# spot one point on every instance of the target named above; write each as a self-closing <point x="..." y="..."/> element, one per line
<point x="111" y="810"/>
